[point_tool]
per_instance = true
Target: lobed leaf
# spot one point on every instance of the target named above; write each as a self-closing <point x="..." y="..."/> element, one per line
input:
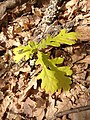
<point x="66" y="69"/>
<point x="56" y="60"/>
<point x="25" y="52"/>
<point x="62" y="38"/>
<point x="66" y="38"/>
<point x="52" y="77"/>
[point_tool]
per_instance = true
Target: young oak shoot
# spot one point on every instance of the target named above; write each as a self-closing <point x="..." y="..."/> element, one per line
<point x="53" y="77"/>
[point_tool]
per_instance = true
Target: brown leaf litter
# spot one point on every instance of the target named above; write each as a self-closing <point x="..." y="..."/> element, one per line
<point x="21" y="96"/>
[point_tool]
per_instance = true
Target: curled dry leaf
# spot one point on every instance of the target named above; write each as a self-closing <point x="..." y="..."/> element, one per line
<point x="71" y="3"/>
<point x="83" y="5"/>
<point x="71" y="6"/>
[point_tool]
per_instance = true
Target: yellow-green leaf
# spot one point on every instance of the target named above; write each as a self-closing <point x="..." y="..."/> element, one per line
<point x="66" y="38"/>
<point x="25" y="52"/>
<point x="52" y="77"/>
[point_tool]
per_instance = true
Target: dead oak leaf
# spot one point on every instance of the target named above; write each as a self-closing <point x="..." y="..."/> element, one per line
<point x="86" y="60"/>
<point x="84" y="33"/>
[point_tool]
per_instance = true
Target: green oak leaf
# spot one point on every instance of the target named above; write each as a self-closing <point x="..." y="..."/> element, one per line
<point x="48" y="42"/>
<point x="25" y="52"/>
<point x="66" y="69"/>
<point x="56" y="60"/>
<point x="66" y="38"/>
<point x="62" y="38"/>
<point x="52" y="77"/>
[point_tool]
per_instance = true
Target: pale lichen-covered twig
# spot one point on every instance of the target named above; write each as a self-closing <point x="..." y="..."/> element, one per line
<point x="50" y="12"/>
<point x="49" y="15"/>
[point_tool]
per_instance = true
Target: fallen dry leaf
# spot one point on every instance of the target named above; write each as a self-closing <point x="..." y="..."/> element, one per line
<point x="21" y="96"/>
<point x="27" y="109"/>
<point x="4" y="105"/>
<point x="84" y="32"/>
<point x="71" y="3"/>
<point x="85" y="60"/>
<point x="88" y="4"/>
<point x="39" y="113"/>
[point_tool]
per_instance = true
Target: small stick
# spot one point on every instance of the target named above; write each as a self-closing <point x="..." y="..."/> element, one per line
<point x="74" y="110"/>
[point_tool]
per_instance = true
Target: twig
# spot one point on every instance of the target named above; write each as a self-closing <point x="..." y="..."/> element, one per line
<point x="74" y="110"/>
<point x="49" y="16"/>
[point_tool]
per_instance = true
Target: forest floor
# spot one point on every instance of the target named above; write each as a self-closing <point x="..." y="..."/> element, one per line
<point x="21" y="97"/>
